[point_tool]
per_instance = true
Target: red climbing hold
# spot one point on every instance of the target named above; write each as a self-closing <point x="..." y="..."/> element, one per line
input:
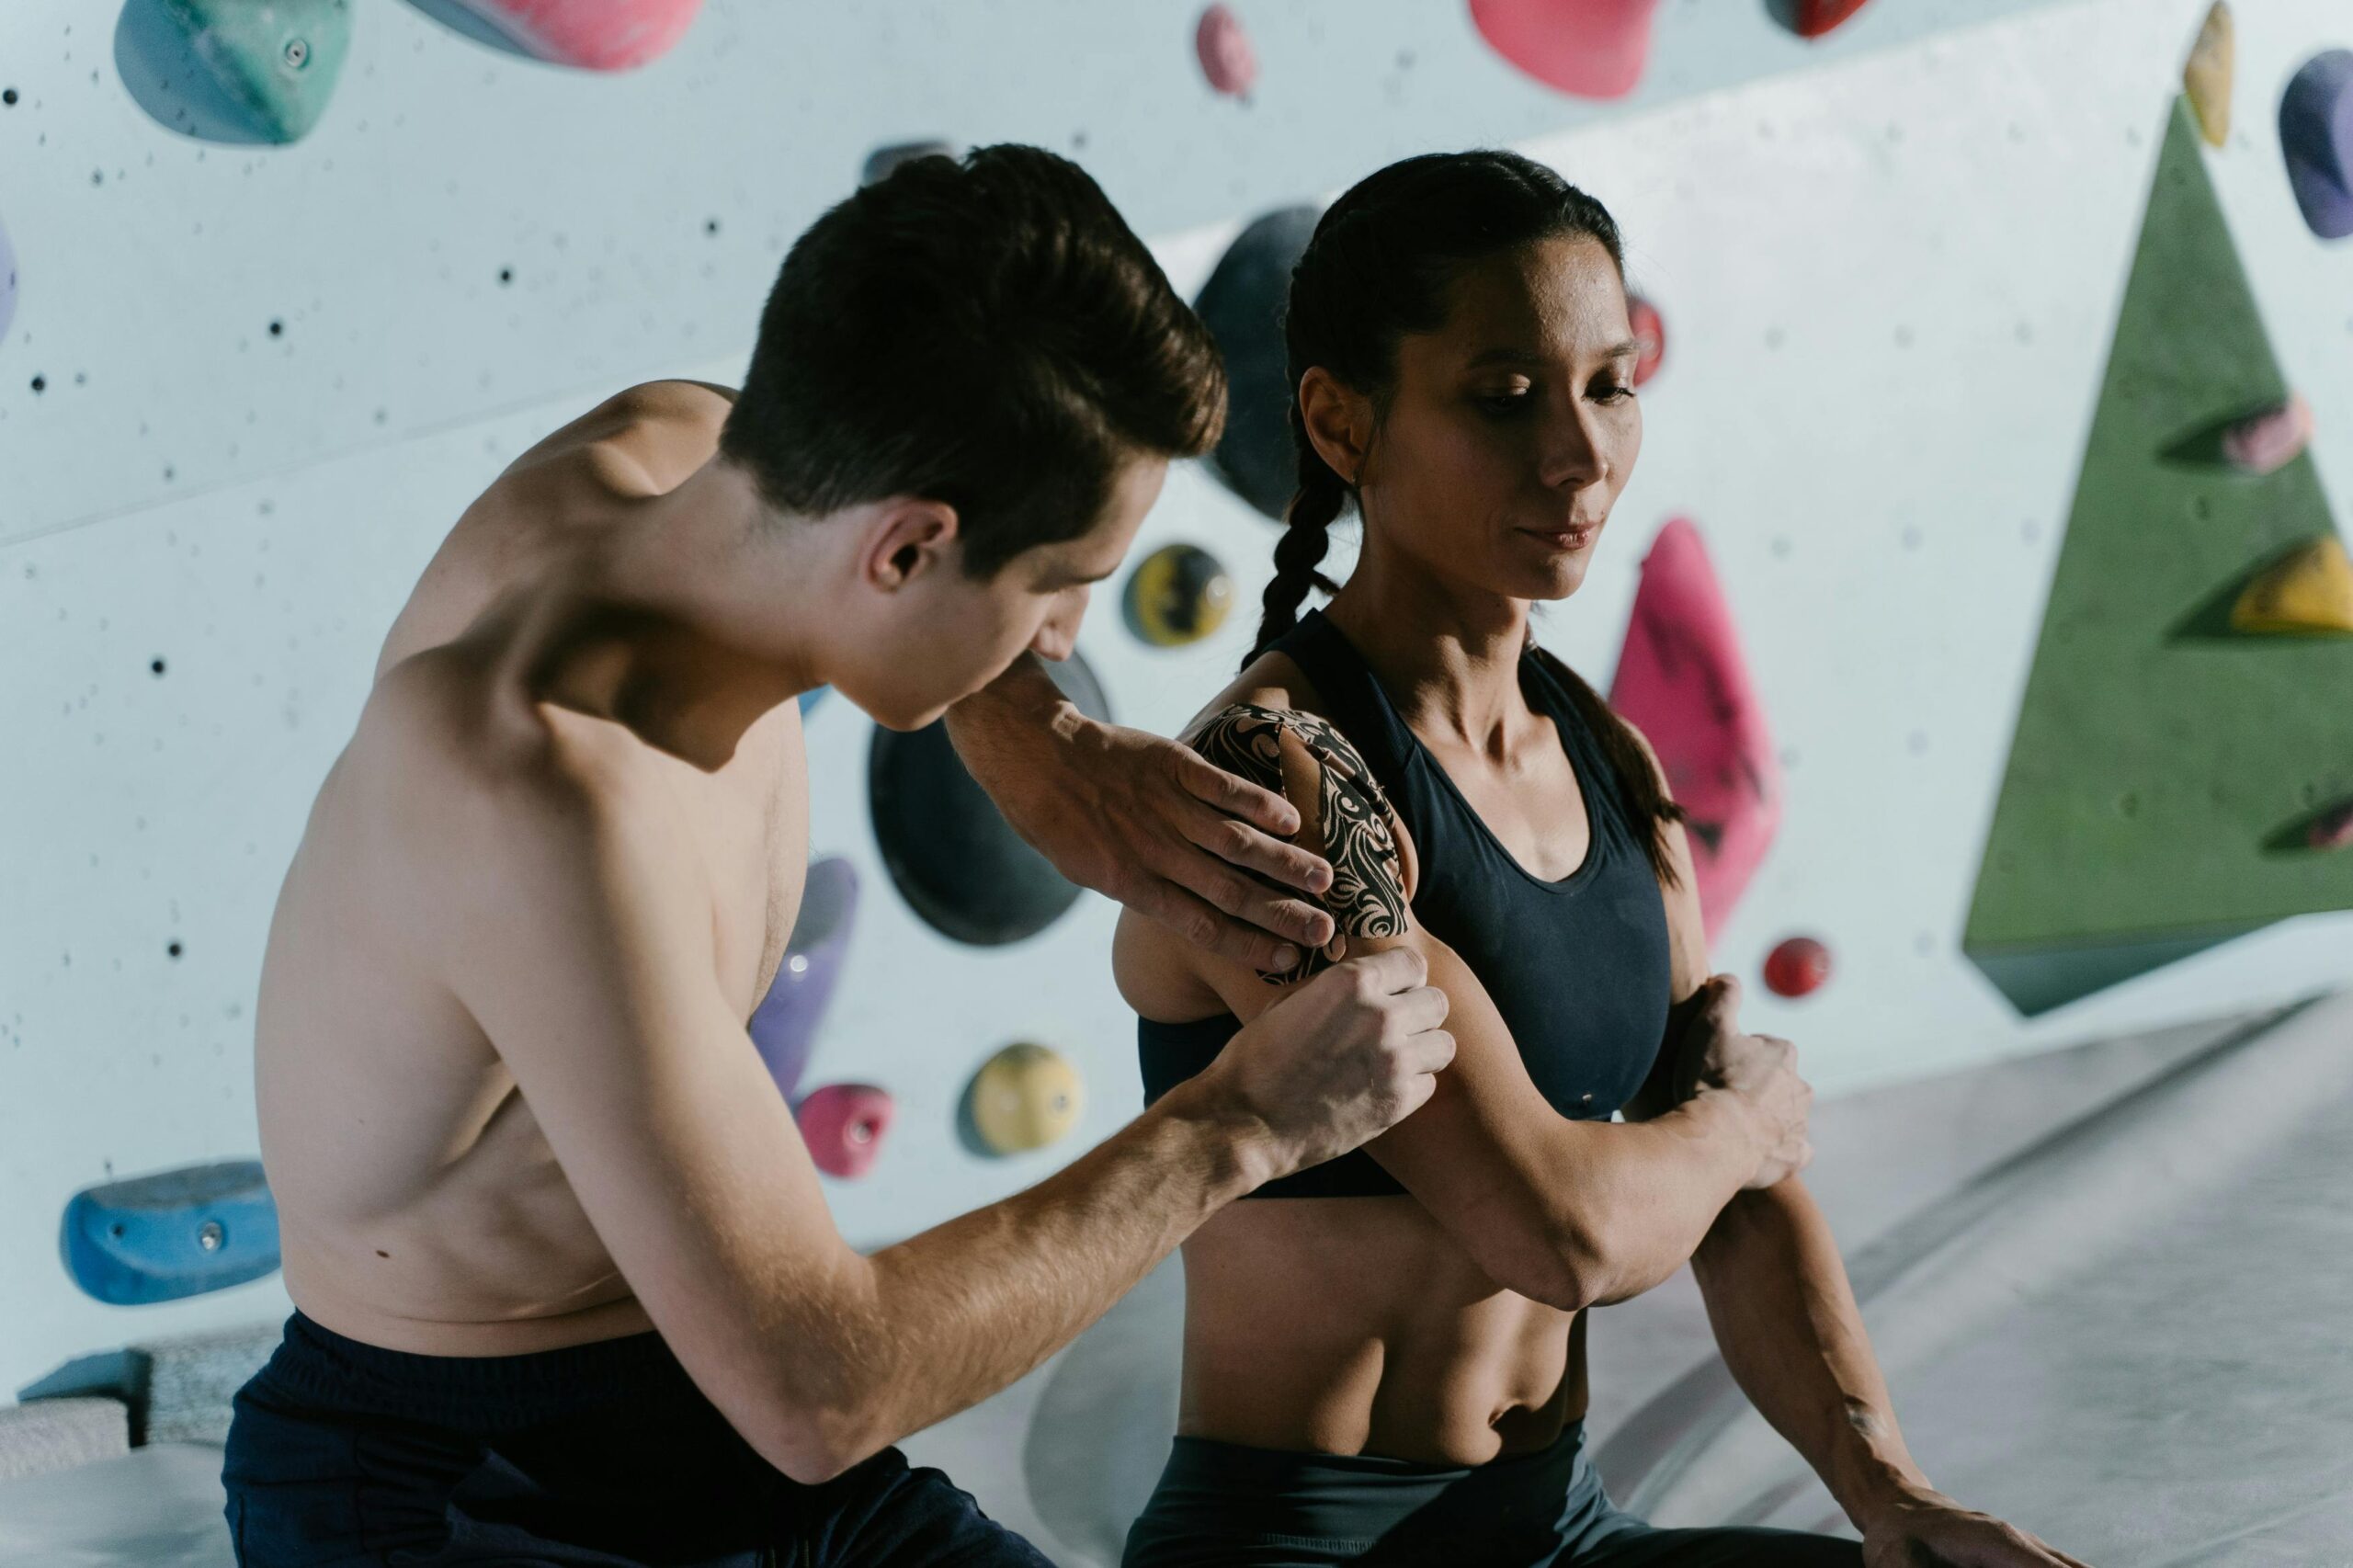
<point x="1651" y="330"/>
<point x="1596" y="49"/>
<point x="843" y="1125"/>
<point x="1797" y="967"/>
<point x="1811" y="18"/>
<point x="1226" y="57"/>
<point x="1682" y="682"/>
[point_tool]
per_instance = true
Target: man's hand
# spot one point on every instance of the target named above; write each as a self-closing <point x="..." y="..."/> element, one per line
<point x="1144" y="821"/>
<point x="1715" y="1056"/>
<point x="1338" y="1060"/>
<point x="1925" y="1529"/>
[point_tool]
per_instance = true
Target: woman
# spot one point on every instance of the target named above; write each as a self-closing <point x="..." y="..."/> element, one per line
<point x="1385" y="1357"/>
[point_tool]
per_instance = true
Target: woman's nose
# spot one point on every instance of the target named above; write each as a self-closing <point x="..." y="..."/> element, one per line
<point x="1572" y="455"/>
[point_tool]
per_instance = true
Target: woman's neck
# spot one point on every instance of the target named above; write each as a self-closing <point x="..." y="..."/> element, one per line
<point x="1450" y="659"/>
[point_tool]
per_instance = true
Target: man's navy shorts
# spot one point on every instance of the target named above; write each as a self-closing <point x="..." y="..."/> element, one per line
<point x="347" y="1454"/>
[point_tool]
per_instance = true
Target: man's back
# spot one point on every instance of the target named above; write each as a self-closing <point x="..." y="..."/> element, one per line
<point x="421" y="1207"/>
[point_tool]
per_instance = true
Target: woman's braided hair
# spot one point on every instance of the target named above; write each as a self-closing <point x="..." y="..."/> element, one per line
<point x="1377" y="267"/>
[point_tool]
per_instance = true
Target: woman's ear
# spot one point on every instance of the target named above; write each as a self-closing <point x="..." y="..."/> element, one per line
<point x="1338" y="420"/>
<point x="906" y="536"/>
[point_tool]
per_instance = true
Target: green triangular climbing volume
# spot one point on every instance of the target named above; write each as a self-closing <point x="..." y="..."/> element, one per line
<point x="2162" y="763"/>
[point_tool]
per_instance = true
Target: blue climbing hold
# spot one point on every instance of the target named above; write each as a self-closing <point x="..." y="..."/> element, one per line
<point x="2316" y="140"/>
<point x="279" y="62"/>
<point x="181" y="1233"/>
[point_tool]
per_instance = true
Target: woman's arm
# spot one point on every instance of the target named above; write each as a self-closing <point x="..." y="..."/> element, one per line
<point x="1570" y="1212"/>
<point x="1785" y="1318"/>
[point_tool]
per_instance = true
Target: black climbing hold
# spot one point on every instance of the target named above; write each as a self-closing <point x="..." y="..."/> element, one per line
<point x="952" y="856"/>
<point x="1241" y="305"/>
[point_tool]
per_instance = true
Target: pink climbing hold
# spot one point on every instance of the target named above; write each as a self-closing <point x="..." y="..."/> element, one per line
<point x="2264" y="442"/>
<point x="1682" y="681"/>
<point x="1595" y="49"/>
<point x="1227" y="59"/>
<point x="843" y="1125"/>
<point x="1651" y="328"/>
<point x="2333" y="829"/>
<point x="1797" y="967"/>
<point x="591" y="35"/>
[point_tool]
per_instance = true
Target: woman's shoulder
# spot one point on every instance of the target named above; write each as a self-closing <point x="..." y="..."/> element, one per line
<point x="1272" y="681"/>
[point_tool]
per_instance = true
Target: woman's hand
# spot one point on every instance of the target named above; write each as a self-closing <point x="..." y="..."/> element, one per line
<point x="1925" y="1529"/>
<point x="1143" y="820"/>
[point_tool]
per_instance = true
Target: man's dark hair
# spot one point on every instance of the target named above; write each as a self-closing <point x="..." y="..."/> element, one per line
<point x="987" y="333"/>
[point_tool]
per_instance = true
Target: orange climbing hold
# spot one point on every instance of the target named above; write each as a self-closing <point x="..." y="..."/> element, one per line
<point x="2307" y="592"/>
<point x="2207" y="77"/>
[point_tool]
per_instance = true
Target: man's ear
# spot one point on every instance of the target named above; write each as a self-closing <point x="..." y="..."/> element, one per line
<point x="1338" y="420"/>
<point x="907" y="536"/>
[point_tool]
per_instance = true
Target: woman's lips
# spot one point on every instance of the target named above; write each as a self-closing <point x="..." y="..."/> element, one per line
<point x="1565" y="539"/>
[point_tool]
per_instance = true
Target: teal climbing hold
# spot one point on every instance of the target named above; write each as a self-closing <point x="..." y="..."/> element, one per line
<point x="279" y="59"/>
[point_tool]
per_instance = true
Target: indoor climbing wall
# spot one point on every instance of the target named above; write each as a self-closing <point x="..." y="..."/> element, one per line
<point x="277" y="302"/>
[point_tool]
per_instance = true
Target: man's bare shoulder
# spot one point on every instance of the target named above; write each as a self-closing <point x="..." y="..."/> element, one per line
<point x="487" y="802"/>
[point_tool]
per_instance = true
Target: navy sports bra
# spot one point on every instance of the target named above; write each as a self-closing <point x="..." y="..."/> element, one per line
<point x="1578" y="968"/>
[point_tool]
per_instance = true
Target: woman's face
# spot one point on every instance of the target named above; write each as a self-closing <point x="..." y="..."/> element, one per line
<point x="1514" y="426"/>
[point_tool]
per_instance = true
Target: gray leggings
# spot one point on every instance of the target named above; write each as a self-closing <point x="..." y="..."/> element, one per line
<point x="1234" y="1506"/>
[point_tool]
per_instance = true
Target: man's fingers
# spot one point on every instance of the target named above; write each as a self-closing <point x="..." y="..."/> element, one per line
<point x="1235" y="797"/>
<point x="1422" y="1008"/>
<point x="1392" y="970"/>
<point x="1205" y="926"/>
<point x="1431" y="1050"/>
<point x="1218" y="884"/>
<point x="1237" y="842"/>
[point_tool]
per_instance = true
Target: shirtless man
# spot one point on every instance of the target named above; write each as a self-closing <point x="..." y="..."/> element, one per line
<point x="566" y="1286"/>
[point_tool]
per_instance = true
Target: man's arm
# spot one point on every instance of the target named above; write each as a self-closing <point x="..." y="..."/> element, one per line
<point x="565" y="923"/>
<point x="1143" y="820"/>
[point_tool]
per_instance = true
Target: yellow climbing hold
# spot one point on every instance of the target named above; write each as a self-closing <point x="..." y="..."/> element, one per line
<point x="2309" y="591"/>
<point x="1025" y="1097"/>
<point x="2207" y="77"/>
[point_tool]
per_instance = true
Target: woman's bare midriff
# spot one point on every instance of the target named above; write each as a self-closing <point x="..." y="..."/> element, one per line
<point x="1356" y="1325"/>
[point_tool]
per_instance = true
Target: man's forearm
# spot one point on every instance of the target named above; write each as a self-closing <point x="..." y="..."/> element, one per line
<point x="1022" y="701"/>
<point x="947" y="1318"/>
<point x="1786" y="1320"/>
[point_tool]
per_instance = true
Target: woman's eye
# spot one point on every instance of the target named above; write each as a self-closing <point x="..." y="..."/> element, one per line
<point x="1614" y="392"/>
<point x="1504" y="403"/>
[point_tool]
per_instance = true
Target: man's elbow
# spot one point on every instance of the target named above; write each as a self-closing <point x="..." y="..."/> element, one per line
<point x="813" y="1444"/>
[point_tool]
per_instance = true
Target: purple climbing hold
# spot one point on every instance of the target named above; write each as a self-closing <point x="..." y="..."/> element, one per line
<point x="785" y="1024"/>
<point x="8" y="283"/>
<point x="2316" y="140"/>
<point x="2333" y="829"/>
